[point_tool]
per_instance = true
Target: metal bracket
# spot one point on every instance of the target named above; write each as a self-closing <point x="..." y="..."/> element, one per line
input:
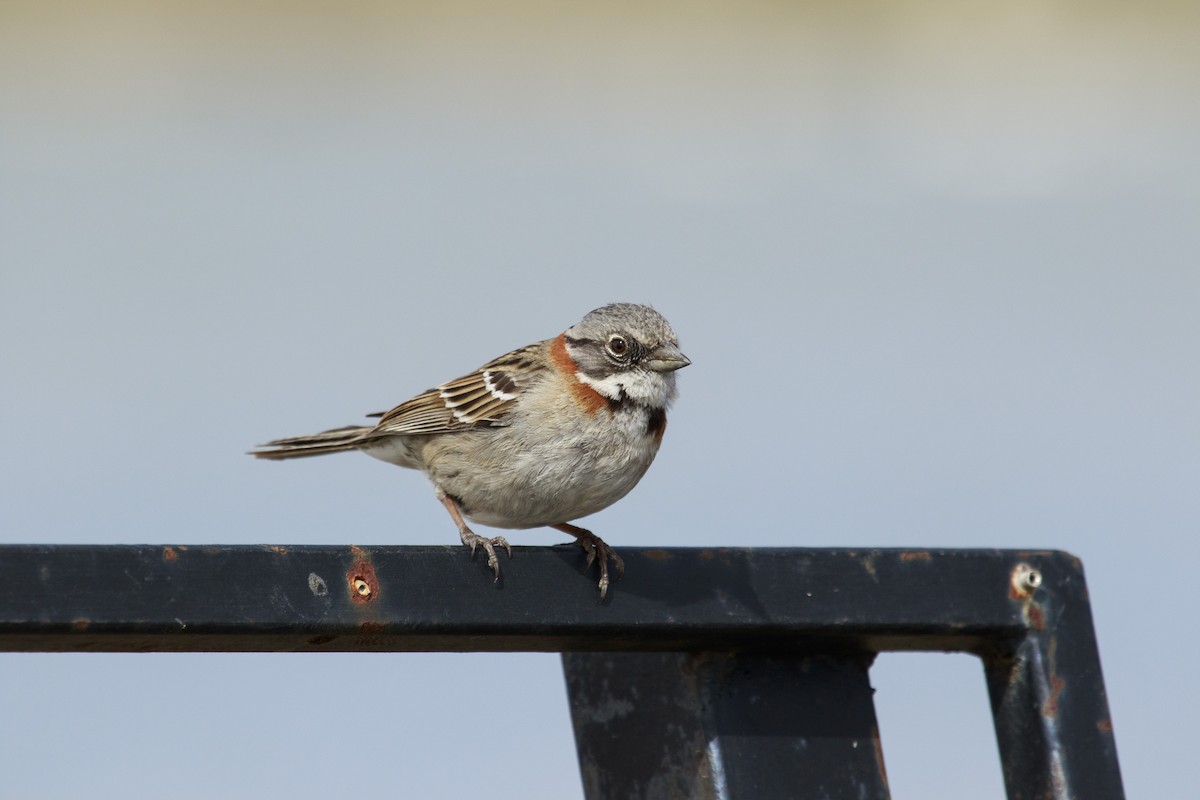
<point x="705" y="673"/>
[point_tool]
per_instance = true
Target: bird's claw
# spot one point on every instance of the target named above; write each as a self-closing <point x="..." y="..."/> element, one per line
<point x="598" y="551"/>
<point x="473" y="540"/>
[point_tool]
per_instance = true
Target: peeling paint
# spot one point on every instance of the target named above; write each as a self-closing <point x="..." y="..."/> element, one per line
<point x="610" y="709"/>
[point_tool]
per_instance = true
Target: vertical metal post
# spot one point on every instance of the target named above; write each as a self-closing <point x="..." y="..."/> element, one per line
<point x="1047" y="693"/>
<point x="724" y="725"/>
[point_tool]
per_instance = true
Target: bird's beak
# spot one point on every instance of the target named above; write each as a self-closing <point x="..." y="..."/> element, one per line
<point x="667" y="358"/>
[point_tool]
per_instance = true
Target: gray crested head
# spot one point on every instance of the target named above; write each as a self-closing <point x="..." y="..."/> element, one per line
<point x="627" y="351"/>
<point x="632" y="318"/>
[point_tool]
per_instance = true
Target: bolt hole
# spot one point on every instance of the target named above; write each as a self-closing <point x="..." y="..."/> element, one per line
<point x="362" y="587"/>
<point x="1026" y="579"/>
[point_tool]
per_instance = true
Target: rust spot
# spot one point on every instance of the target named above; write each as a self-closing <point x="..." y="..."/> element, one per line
<point x="362" y="583"/>
<point x="1023" y="585"/>
<point x="916" y="555"/>
<point x="370" y="634"/>
<point x="657" y="554"/>
<point x="1050" y="707"/>
<point x="80" y="625"/>
<point x="359" y="553"/>
<point x="278" y="550"/>
<point x="707" y="555"/>
<point x="1104" y="726"/>
<point x="1023" y="581"/>
<point x="320" y="640"/>
<point x="1035" y="616"/>
<point x="169" y="554"/>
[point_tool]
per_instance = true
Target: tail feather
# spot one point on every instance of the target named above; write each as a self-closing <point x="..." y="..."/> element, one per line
<point x="317" y="444"/>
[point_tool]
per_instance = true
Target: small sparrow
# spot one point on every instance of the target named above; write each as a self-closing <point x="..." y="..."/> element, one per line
<point x="540" y="436"/>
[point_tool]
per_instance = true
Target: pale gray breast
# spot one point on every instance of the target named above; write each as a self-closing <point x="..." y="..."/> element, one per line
<point x="554" y="469"/>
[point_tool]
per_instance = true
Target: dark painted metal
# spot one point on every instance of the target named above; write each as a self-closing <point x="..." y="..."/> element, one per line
<point x="750" y="620"/>
<point x="725" y="725"/>
<point x="1048" y="698"/>
<point x="436" y="598"/>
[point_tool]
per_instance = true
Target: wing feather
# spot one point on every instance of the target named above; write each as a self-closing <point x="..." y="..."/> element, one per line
<point x="481" y="399"/>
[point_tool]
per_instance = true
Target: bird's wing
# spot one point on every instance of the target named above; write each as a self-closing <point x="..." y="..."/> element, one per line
<point x="481" y="399"/>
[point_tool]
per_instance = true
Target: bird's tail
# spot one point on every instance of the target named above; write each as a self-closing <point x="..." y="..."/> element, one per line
<point x="317" y="444"/>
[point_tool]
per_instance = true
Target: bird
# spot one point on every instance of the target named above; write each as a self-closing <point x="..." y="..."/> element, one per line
<point x="540" y="436"/>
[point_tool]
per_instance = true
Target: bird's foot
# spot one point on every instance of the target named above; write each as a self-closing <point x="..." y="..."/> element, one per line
<point x="473" y="540"/>
<point x="597" y="551"/>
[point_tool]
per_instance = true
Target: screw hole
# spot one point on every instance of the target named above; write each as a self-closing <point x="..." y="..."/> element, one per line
<point x="1026" y="579"/>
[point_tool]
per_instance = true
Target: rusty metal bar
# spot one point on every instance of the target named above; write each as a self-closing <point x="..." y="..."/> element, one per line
<point x="745" y="624"/>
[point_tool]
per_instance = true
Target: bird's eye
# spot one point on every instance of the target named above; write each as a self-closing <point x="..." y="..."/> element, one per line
<point x="618" y="346"/>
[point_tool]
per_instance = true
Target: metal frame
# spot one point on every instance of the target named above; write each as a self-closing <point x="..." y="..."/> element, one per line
<point x="706" y="673"/>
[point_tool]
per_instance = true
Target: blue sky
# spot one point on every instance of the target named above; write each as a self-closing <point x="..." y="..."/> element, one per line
<point x="935" y="265"/>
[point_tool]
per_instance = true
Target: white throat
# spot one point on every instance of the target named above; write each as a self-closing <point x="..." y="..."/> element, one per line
<point x="650" y="389"/>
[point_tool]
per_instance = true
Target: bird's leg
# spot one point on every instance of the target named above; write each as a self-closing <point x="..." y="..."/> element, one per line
<point x="596" y="550"/>
<point x="472" y="539"/>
